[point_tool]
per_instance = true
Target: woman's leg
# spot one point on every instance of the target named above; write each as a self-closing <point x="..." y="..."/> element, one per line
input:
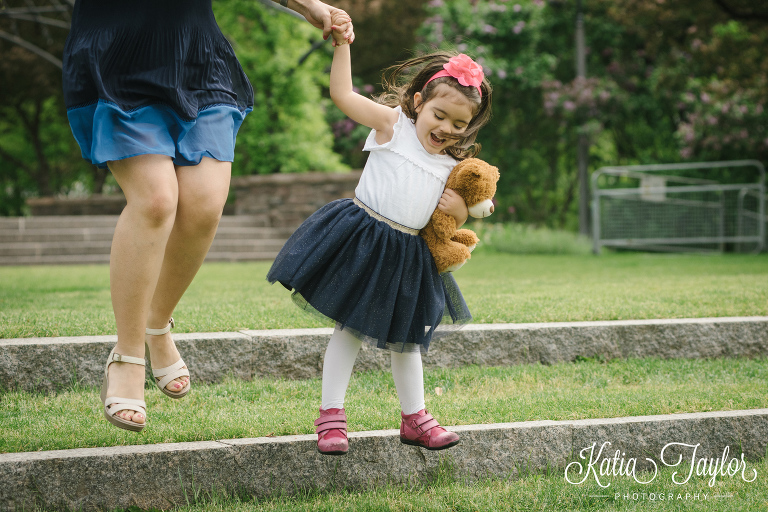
<point x="151" y="191"/>
<point x="337" y="368"/>
<point x="408" y="374"/>
<point x="203" y="190"/>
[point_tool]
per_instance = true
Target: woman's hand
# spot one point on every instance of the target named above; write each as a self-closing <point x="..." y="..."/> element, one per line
<point x="325" y="17"/>
<point x="453" y="204"/>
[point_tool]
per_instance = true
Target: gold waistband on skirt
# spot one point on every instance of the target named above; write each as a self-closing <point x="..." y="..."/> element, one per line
<point x="390" y="223"/>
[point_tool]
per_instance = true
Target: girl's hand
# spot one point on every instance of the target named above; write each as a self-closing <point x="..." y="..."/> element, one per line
<point x="453" y="204"/>
<point x="341" y="28"/>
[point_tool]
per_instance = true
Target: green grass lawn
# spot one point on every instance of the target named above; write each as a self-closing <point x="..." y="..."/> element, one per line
<point x="534" y="493"/>
<point x="499" y="288"/>
<point x="240" y="409"/>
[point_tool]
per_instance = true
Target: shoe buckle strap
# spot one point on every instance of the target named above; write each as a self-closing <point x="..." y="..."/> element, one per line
<point x="331" y="417"/>
<point x="164" y="330"/>
<point x="114" y="357"/>
<point x="340" y="425"/>
<point x="420" y="420"/>
<point x="425" y="426"/>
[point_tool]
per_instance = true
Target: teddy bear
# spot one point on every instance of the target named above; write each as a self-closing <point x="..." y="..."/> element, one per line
<point x="475" y="181"/>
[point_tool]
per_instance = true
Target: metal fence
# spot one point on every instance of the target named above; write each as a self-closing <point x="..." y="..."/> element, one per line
<point x="707" y="206"/>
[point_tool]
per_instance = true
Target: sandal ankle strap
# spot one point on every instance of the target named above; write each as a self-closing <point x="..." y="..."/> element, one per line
<point x="164" y="330"/>
<point x="114" y="357"/>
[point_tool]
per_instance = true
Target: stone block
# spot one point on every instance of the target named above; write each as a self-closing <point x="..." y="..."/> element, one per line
<point x="164" y="476"/>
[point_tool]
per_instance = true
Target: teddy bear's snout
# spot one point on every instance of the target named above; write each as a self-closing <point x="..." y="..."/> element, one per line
<point x="482" y="209"/>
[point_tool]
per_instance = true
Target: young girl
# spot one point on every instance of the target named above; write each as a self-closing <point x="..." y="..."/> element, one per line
<point x="361" y="262"/>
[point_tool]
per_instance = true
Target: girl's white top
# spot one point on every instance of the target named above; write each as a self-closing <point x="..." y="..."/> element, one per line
<point x="401" y="180"/>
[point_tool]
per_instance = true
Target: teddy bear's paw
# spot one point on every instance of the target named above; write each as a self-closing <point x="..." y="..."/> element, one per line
<point x="455" y="267"/>
<point x="471" y="247"/>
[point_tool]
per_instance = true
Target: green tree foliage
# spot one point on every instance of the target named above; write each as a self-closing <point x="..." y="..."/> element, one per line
<point x="668" y="80"/>
<point x="38" y="155"/>
<point x="285" y="62"/>
<point x="287" y="130"/>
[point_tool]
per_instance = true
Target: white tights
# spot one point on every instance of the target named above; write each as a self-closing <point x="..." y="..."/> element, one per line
<point x="340" y="356"/>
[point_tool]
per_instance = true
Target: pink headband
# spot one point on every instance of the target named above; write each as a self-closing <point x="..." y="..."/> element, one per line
<point x="461" y="67"/>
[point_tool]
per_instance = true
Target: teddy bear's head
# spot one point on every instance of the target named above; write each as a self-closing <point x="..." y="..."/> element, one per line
<point x="475" y="181"/>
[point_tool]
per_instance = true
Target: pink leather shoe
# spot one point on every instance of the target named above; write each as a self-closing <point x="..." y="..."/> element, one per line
<point x="421" y="429"/>
<point x="332" y="432"/>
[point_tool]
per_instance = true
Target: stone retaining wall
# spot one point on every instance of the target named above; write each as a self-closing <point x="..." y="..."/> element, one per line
<point x="52" y="363"/>
<point x="277" y="200"/>
<point x="286" y="200"/>
<point x="162" y="476"/>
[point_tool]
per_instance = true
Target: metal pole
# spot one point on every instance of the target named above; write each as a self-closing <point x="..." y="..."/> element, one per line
<point x="595" y="213"/>
<point x="582" y="153"/>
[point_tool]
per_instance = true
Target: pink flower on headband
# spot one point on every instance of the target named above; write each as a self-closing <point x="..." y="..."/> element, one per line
<point x="461" y="67"/>
<point x="465" y="70"/>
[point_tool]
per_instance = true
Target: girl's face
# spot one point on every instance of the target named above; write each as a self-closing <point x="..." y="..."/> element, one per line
<point x="447" y="112"/>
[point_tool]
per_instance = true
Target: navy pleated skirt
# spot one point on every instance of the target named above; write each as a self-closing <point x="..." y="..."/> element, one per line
<point x="376" y="281"/>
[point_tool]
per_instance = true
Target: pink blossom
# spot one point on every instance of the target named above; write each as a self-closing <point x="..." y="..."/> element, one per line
<point x="519" y="26"/>
<point x="519" y="70"/>
<point x="569" y="105"/>
<point x="743" y="134"/>
<point x="436" y="3"/>
<point x="511" y="209"/>
<point x="686" y="152"/>
<point x="705" y="97"/>
<point x="743" y="109"/>
<point x="368" y="88"/>
<point x="759" y="109"/>
<point x="501" y="74"/>
<point x="489" y="29"/>
<point x="516" y="8"/>
<point x="711" y="120"/>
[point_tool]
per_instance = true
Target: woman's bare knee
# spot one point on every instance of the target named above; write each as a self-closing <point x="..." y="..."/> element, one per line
<point x="159" y="208"/>
<point x="201" y="216"/>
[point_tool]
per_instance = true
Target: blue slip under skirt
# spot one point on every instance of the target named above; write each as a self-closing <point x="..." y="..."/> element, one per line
<point x="105" y="132"/>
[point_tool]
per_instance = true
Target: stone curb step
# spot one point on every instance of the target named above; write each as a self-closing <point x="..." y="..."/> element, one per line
<point x="91" y="234"/>
<point x="52" y="363"/>
<point x="162" y="476"/>
<point x="93" y="221"/>
<point x="88" y="240"/>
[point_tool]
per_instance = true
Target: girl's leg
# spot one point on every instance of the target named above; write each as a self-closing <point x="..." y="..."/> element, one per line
<point x="138" y="245"/>
<point x="408" y="374"/>
<point x="337" y="368"/>
<point x="418" y="427"/>
<point x="203" y="190"/>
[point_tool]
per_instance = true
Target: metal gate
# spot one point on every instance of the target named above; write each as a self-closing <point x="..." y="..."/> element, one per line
<point x="707" y="206"/>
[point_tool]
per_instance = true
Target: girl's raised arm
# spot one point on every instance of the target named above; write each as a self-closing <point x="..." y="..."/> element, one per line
<point x="357" y="107"/>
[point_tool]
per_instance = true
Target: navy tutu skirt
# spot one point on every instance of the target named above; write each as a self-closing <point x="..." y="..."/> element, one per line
<point x="370" y="278"/>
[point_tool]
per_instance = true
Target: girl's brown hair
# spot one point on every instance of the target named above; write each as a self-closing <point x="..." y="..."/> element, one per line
<point x="402" y="81"/>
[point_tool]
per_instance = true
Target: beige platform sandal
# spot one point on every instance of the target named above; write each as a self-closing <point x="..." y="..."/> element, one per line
<point x="113" y="405"/>
<point x="163" y="376"/>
